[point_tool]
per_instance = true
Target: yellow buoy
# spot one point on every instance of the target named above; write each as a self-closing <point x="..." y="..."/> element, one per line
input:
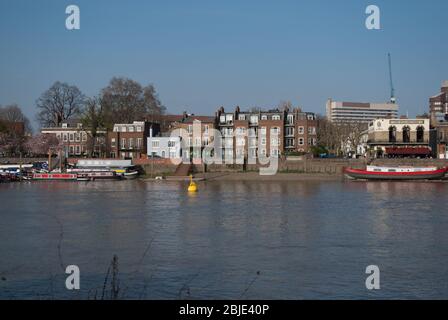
<point x="192" y="187"/>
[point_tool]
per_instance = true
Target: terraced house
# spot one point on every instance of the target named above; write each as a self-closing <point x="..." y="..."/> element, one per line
<point x="265" y="133"/>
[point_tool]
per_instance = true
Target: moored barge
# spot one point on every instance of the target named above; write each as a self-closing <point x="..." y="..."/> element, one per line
<point x="396" y="173"/>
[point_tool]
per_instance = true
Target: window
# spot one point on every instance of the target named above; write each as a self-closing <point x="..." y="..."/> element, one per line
<point x="311" y="130"/>
<point x="301" y="141"/>
<point x="290" y="131"/>
<point x="301" y="130"/>
<point x="71" y="137"/>
<point x="84" y="136"/>
<point x="139" y="129"/>
<point x="139" y="142"/>
<point x="206" y="129"/>
<point x="242" y="117"/>
<point x="155" y="144"/>
<point x="310" y="117"/>
<point x="131" y="142"/>
<point x="70" y="150"/>
<point x="392" y="134"/>
<point x="406" y="134"/>
<point x="64" y="125"/>
<point x="263" y="130"/>
<point x="240" y="142"/>
<point x="77" y="138"/>
<point x="263" y="141"/>
<point x="290" y="119"/>
<point x="289" y="142"/>
<point x="131" y="129"/>
<point x="263" y="152"/>
<point x="171" y="144"/>
<point x="190" y="128"/>
<point x="65" y="137"/>
<point x="275" y="130"/>
<point x="240" y="131"/>
<point x="275" y="142"/>
<point x="264" y="117"/>
<point x="222" y="119"/>
<point x="420" y="134"/>
<point x="276" y="117"/>
<point x="112" y="142"/>
<point x="229" y="118"/>
<point x="254" y="119"/>
<point x="274" y="152"/>
<point x="78" y="150"/>
<point x="123" y="142"/>
<point x="123" y="129"/>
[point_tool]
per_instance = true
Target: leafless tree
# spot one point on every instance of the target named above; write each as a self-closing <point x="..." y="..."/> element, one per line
<point x="334" y="135"/>
<point x="59" y="103"/>
<point x="125" y="100"/>
<point x="285" y="105"/>
<point x="13" y="113"/>
<point x="93" y="121"/>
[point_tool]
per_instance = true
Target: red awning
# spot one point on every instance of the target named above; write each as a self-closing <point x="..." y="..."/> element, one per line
<point x="408" y="151"/>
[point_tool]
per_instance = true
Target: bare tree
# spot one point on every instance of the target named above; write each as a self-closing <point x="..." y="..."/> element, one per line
<point x="285" y="106"/>
<point x="59" y="103"/>
<point x="13" y="113"/>
<point x="93" y="121"/>
<point x="125" y="100"/>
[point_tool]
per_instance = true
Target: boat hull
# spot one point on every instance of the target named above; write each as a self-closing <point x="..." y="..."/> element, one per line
<point x="419" y="175"/>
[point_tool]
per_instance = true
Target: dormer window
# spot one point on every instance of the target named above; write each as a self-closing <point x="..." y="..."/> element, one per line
<point x="64" y="125"/>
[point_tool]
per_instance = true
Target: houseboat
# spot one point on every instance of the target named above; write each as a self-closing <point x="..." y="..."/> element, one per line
<point x="55" y="176"/>
<point x="396" y="173"/>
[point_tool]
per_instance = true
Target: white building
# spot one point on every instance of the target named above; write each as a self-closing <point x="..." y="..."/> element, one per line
<point x="165" y="147"/>
<point x="338" y="111"/>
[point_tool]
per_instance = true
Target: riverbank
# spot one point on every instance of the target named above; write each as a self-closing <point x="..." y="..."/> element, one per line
<point x="255" y="176"/>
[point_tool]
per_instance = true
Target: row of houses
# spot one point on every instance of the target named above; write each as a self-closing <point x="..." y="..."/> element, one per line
<point x="255" y="133"/>
<point x="241" y="133"/>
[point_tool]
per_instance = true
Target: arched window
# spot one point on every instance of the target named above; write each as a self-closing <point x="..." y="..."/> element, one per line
<point x="420" y="134"/>
<point x="392" y="134"/>
<point x="406" y="134"/>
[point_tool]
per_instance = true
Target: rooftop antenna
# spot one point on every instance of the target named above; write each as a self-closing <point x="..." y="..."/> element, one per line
<point x="392" y="90"/>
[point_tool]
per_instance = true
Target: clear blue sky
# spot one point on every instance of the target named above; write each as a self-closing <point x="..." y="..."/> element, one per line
<point x="204" y="54"/>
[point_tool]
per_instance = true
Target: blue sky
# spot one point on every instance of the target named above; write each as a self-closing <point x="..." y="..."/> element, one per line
<point x="204" y="54"/>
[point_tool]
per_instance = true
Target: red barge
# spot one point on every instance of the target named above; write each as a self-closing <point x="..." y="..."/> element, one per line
<point x="396" y="173"/>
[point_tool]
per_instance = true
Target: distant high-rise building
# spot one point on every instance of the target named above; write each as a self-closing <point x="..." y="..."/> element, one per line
<point x="338" y="111"/>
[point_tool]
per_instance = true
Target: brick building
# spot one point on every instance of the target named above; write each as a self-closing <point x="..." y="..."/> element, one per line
<point x="129" y="141"/>
<point x="438" y="104"/>
<point x="77" y="140"/>
<point x="272" y="132"/>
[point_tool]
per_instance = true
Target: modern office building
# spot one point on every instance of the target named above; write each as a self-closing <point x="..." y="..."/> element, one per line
<point x="338" y="111"/>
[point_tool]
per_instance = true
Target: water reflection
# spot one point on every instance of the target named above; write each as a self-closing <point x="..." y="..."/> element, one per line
<point x="307" y="239"/>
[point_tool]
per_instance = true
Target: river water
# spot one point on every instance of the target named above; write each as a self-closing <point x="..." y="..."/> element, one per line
<point x="231" y="240"/>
